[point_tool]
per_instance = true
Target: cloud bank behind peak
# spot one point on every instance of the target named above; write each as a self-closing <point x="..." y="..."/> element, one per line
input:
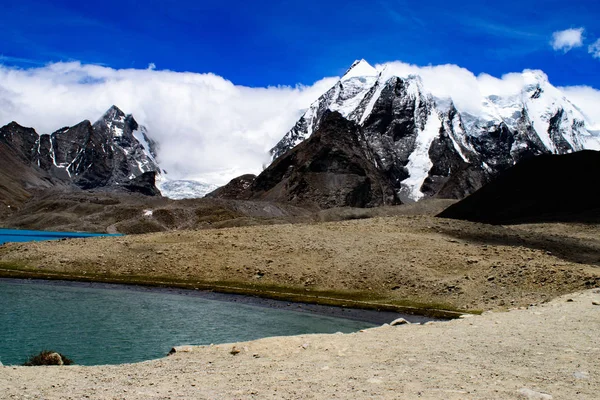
<point x="208" y="128"/>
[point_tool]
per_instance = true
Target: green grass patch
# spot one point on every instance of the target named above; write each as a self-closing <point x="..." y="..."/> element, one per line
<point x="347" y="298"/>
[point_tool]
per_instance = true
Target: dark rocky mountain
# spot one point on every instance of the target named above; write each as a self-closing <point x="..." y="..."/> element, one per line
<point x="333" y="168"/>
<point x="426" y="147"/>
<point x="144" y="184"/>
<point x="114" y="152"/>
<point x="546" y="188"/>
<point x="236" y="188"/>
<point x="17" y="176"/>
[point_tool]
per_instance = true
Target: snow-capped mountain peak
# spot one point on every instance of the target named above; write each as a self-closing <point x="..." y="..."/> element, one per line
<point x="105" y="154"/>
<point x="533" y="77"/>
<point x="360" y="69"/>
<point x="422" y="142"/>
<point x="114" y="119"/>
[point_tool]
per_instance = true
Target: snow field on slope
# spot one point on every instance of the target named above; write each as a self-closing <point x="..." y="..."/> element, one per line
<point x="419" y="162"/>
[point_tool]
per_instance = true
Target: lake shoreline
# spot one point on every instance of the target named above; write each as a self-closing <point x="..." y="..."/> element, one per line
<point x="489" y="356"/>
<point x="98" y="324"/>
<point x="357" y="314"/>
<point x="253" y="289"/>
<point x="413" y="264"/>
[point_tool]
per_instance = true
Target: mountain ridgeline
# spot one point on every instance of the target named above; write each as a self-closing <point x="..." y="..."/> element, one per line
<point x="333" y="168"/>
<point x="374" y="138"/>
<point x="114" y="152"/>
<point x="424" y="146"/>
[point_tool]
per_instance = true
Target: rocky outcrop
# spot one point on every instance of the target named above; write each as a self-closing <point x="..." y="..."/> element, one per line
<point x="20" y="141"/>
<point x="144" y="184"/>
<point x="236" y="188"/>
<point x="333" y="168"/>
<point x="18" y="178"/>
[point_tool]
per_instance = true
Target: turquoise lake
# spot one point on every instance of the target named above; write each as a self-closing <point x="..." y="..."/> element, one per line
<point x="18" y="235"/>
<point x="116" y="324"/>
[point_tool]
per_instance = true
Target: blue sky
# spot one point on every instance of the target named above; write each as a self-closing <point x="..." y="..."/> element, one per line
<point x="65" y="61"/>
<point x="288" y="42"/>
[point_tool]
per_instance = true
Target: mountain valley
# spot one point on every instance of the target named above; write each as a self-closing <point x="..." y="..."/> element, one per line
<point x="358" y="208"/>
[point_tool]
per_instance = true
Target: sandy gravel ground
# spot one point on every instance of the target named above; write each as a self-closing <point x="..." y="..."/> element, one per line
<point x="398" y="259"/>
<point x="547" y="350"/>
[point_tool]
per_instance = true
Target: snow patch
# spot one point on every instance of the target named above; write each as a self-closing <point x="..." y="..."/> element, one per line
<point x="116" y="130"/>
<point x="140" y="136"/>
<point x="419" y="162"/>
<point x="379" y="86"/>
<point x="351" y="95"/>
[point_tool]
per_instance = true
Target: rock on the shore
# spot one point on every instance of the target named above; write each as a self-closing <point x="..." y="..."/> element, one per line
<point x="181" y="349"/>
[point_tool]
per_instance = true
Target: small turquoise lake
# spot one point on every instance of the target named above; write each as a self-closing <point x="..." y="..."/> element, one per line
<point x="97" y="324"/>
<point x="18" y="235"/>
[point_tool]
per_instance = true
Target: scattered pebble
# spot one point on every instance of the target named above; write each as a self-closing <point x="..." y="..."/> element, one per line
<point x="581" y="375"/>
<point x="533" y="395"/>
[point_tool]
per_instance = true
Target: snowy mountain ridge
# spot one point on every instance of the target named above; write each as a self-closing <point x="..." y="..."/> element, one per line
<point x="104" y="154"/>
<point x="114" y="151"/>
<point x="425" y="141"/>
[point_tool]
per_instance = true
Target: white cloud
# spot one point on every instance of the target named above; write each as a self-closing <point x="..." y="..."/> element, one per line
<point x="208" y="128"/>
<point x="443" y="81"/>
<point x="587" y="99"/>
<point x="567" y="39"/>
<point x="467" y="90"/>
<point x="594" y="49"/>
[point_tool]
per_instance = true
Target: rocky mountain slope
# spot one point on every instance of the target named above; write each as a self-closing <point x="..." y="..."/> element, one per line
<point x="111" y="153"/>
<point x="426" y="146"/>
<point x="333" y="168"/>
<point x="17" y="177"/>
<point x="547" y="188"/>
